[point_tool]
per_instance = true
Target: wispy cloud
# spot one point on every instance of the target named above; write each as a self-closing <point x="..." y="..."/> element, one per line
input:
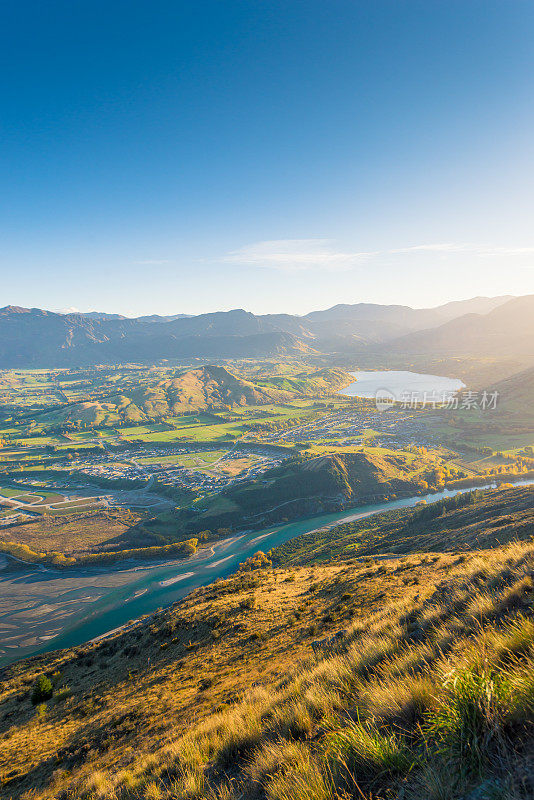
<point x="442" y="247"/>
<point x="298" y="254"/>
<point x="324" y="254"/>
<point x="69" y="310"/>
<point x="465" y="247"/>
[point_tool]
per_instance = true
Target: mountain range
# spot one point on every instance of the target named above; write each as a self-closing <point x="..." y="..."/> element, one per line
<point x="508" y="327"/>
<point x="481" y="326"/>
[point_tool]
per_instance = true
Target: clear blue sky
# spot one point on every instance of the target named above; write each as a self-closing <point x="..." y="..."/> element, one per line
<point x="170" y="156"/>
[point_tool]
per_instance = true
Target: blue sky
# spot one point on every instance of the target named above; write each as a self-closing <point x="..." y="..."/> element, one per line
<point x="170" y="157"/>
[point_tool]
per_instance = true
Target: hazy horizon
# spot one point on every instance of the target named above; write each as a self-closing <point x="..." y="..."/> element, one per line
<point x="185" y="312"/>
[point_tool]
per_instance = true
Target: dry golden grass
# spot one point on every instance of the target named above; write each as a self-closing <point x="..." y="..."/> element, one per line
<point x="224" y="697"/>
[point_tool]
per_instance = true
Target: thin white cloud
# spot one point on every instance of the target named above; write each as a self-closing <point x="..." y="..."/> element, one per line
<point x="474" y="249"/>
<point x="69" y="310"/>
<point x="298" y="254"/>
<point x="323" y="254"/>
<point x="445" y="247"/>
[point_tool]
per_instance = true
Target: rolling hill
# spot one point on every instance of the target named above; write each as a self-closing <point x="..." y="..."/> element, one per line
<point x="310" y="383"/>
<point x="212" y="388"/>
<point x="302" y="488"/>
<point x="209" y="388"/>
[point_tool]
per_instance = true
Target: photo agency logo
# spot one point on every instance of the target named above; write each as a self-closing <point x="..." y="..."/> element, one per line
<point x="464" y="401"/>
<point x="384" y="399"/>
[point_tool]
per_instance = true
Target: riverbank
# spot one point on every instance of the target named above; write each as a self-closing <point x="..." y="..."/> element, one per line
<point x="41" y="611"/>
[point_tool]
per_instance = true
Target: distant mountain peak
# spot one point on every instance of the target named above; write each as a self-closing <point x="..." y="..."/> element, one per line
<point x="14" y="310"/>
<point x="11" y="310"/>
<point x="33" y="337"/>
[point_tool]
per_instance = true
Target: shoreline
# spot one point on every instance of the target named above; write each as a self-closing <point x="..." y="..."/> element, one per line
<point x="109" y="601"/>
<point x="203" y="552"/>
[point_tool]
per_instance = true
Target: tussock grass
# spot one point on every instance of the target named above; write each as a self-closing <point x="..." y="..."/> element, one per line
<point x="361" y="756"/>
<point x="430" y="690"/>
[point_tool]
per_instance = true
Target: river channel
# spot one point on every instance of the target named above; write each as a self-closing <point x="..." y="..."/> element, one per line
<point x="43" y="610"/>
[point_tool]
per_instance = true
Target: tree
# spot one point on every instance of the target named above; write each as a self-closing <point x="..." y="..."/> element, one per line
<point x="258" y="561"/>
<point x="42" y="690"/>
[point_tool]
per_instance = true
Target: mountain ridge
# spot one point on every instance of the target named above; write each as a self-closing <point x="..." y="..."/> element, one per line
<point x="507" y="328"/>
<point x="32" y="337"/>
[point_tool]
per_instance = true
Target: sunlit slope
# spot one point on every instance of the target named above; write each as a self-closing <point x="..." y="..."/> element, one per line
<point x="208" y="388"/>
<point x="407" y="677"/>
<point x="505" y="332"/>
<point x="472" y="521"/>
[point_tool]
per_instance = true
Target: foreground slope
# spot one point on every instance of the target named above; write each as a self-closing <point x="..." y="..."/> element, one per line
<point x="402" y="678"/>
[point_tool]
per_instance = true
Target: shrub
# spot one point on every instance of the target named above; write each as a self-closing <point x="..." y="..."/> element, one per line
<point x="62" y="694"/>
<point x="42" y="690"/>
<point x="258" y="561"/>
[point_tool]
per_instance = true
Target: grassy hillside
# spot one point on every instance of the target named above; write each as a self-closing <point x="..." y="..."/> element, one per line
<point x="515" y="407"/>
<point x="321" y="381"/>
<point x="403" y="678"/>
<point x="207" y="388"/>
<point x="302" y="488"/>
<point x="467" y="522"/>
<point x="509" y="424"/>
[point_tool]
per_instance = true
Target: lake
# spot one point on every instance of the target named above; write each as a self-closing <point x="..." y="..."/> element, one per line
<point x="401" y="385"/>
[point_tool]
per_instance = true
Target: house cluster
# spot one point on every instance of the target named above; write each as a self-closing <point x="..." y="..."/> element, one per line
<point x="144" y="462"/>
<point x="396" y="429"/>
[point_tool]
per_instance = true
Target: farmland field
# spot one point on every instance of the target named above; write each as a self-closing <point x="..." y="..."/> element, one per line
<point x="68" y="439"/>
